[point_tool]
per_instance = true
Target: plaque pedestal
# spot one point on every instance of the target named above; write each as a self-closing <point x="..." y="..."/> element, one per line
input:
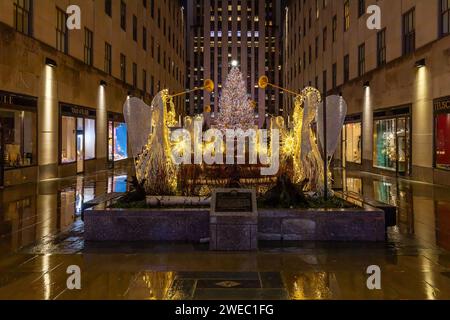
<point x="233" y="220"/>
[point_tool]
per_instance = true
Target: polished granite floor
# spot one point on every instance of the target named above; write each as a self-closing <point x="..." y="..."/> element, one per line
<point x="41" y="234"/>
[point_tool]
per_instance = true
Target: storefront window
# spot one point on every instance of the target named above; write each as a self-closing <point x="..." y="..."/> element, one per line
<point x="403" y="145"/>
<point x="352" y="142"/>
<point x="19" y="138"/>
<point x="117" y="141"/>
<point x="392" y="144"/>
<point x="89" y="139"/>
<point x="385" y="146"/>
<point x="443" y="141"/>
<point x="78" y="135"/>
<point x="68" y="140"/>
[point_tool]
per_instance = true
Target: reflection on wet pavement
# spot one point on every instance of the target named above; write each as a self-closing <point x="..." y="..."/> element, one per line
<point x="41" y="234"/>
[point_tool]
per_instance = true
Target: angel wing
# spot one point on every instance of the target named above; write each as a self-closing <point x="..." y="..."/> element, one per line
<point x="138" y="116"/>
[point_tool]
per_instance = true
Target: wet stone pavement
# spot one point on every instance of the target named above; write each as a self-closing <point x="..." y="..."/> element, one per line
<point x="41" y="234"/>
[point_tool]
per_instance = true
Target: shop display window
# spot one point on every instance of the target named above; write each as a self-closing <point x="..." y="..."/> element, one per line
<point x="68" y="142"/>
<point x="392" y="144"/>
<point x="443" y="141"/>
<point x="117" y="141"/>
<point x="89" y="139"/>
<point x="78" y="136"/>
<point x="385" y="144"/>
<point x="19" y="138"/>
<point x="352" y="142"/>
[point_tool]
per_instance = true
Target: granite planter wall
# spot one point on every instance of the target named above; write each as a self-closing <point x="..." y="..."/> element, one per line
<point x="146" y="224"/>
<point x="359" y="224"/>
<point x="192" y="225"/>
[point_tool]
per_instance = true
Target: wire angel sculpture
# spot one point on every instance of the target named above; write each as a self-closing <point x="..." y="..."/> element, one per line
<point x="153" y="156"/>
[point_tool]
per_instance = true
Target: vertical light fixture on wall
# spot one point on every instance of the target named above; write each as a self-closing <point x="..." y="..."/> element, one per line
<point x="101" y="125"/>
<point x="422" y="117"/>
<point x="48" y="123"/>
<point x="367" y="125"/>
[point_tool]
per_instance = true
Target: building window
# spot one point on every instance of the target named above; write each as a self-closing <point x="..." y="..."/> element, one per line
<point x="108" y="7"/>
<point x="88" y="49"/>
<point x="310" y="18"/>
<point x="152" y="47"/>
<point x="334" y="75"/>
<point x="152" y="8"/>
<point x="346" y="68"/>
<point x="152" y="86"/>
<point x="134" y="28"/>
<point x="361" y="59"/>
<point x="361" y="7"/>
<point x="134" y="75"/>
<point x="144" y="38"/>
<point x="108" y="58"/>
<point x="61" y="31"/>
<point x="409" y="32"/>
<point x="144" y="81"/>
<point x="324" y="39"/>
<point x="346" y="15"/>
<point x="334" y="23"/>
<point x="317" y="47"/>
<point x="164" y="60"/>
<point x="23" y="16"/>
<point x="123" y="68"/>
<point x="123" y="16"/>
<point x="159" y="54"/>
<point x="310" y="55"/>
<point x="352" y="142"/>
<point x="317" y="9"/>
<point x="381" y="48"/>
<point x="19" y="138"/>
<point x="445" y="17"/>
<point x="159" y="18"/>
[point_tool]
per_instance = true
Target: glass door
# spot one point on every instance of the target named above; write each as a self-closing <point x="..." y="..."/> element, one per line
<point x="344" y="148"/>
<point x="80" y="145"/>
<point x="110" y="144"/>
<point x="403" y="146"/>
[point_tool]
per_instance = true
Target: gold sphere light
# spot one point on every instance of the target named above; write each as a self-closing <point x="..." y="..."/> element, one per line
<point x="209" y="85"/>
<point x="263" y="82"/>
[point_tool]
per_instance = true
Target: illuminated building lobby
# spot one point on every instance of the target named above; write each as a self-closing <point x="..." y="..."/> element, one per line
<point x="349" y="101"/>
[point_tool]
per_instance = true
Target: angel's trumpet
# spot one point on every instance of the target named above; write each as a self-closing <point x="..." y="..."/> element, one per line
<point x="208" y="85"/>
<point x="263" y="82"/>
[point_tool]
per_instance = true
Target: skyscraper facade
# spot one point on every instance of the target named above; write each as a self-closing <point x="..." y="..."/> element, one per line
<point x="222" y="33"/>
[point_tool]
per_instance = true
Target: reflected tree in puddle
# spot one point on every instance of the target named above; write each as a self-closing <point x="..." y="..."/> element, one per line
<point x="151" y="285"/>
<point x="306" y="286"/>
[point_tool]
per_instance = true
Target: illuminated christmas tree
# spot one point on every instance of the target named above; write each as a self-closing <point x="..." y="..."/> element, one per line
<point x="236" y="111"/>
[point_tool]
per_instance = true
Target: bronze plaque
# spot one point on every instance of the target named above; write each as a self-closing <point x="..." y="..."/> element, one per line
<point x="234" y="201"/>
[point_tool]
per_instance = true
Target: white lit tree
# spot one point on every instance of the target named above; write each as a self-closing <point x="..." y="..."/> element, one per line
<point x="236" y="111"/>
